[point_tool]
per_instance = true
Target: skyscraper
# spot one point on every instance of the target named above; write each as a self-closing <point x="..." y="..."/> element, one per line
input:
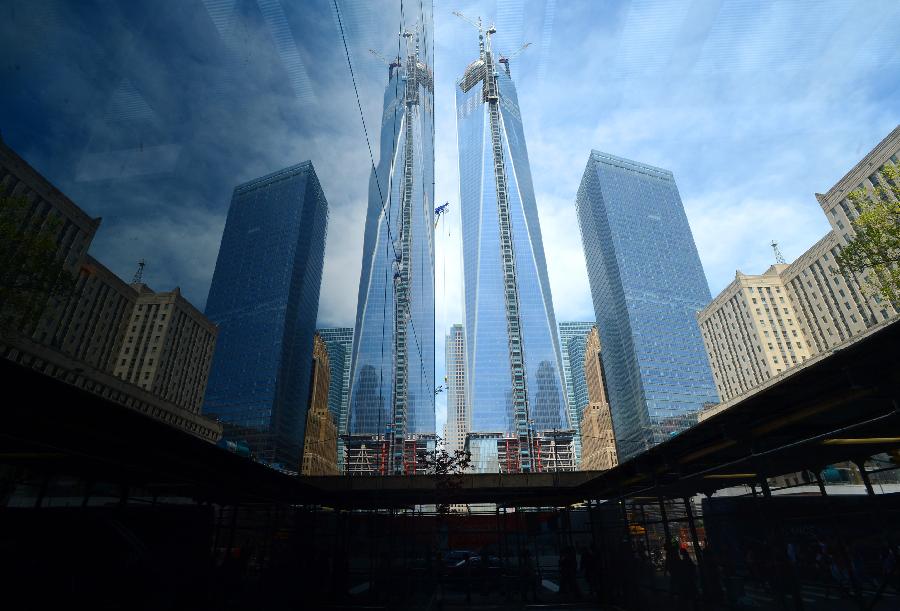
<point x="597" y="431"/>
<point x="513" y="361"/>
<point x="320" y="439"/>
<point x="572" y="338"/>
<point x="392" y="388"/>
<point x="647" y="284"/>
<point x="795" y="311"/>
<point x="459" y="418"/>
<point x="264" y="297"/>
<point x="339" y="342"/>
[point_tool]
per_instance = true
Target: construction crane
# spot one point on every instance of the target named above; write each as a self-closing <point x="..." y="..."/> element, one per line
<point x="390" y="64"/>
<point x="442" y="209"/>
<point x="475" y="24"/>
<point x="505" y="59"/>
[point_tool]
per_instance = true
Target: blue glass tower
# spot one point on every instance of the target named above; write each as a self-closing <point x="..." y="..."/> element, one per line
<point x="264" y="297"/>
<point x="647" y="284"/>
<point x="573" y="337"/>
<point x="392" y="389"/>
<point x="515" y="378"/>
<point x="339" y="341"/>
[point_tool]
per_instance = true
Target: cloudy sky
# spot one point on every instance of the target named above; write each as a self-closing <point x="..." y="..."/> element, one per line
<point x="148" y="114"/>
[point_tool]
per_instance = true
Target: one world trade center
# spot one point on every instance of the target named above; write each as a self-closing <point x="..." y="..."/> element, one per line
<point x="392" y="419"/>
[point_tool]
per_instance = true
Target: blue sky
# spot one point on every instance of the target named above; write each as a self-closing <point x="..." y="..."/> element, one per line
<point x="148" y="114"/>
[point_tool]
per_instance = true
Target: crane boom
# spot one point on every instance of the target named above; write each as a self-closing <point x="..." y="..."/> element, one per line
<point x="477" y="24"/>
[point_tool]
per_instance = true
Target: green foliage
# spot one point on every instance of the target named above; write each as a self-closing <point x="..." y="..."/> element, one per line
<point x="874" y="252"/>
<point x="32" y="272"/>
<point x="448" y="467"/>
<point x="442" y="462"/>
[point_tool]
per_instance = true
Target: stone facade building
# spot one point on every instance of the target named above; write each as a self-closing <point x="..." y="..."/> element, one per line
<point x="320" y="445"/>
<point x="761" y="326"/>
<point x="90" y="337"/>
<point x="752" y="332"/>
<point x="598" y="439"/>
<point x="167" y="348"/>
<point x="459" y="418"/>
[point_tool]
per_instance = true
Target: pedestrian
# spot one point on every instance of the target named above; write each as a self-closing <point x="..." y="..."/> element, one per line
<point x="568" y="574"/>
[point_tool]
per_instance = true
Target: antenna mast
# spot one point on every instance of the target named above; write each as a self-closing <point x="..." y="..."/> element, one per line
<point x="139" y="274"/>
<point x="779" y="258"/>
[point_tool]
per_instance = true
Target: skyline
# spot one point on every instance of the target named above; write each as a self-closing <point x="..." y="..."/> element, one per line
<point x="782" y="111"/>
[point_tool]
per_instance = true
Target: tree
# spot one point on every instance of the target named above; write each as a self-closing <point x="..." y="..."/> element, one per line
<point x="32" y="271"/>
<point x="874" y="250"/>
<point x="448" y="467"/>
<point x="442" y="462"/>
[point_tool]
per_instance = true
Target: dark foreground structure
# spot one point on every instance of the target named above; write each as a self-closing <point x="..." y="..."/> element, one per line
<point x="783" y="501"/>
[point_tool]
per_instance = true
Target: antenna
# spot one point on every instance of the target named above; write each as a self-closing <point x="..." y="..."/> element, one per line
<point x="139" y="274"/>
<point x="477" y="25"/>
<point x="779" y="258"/>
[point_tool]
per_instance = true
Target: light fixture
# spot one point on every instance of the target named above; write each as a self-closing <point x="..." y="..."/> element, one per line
<point x="854" y="441"/>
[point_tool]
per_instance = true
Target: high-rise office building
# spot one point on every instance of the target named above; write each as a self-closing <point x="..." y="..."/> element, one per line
<point x="459" y="418"/>
<point x="834" y="307"/>
<point x="320" y="441"/>
<point x="752" y="332"/>
<point x="339" y="342"/>
<point x="761" y="326"/>
<point x="265" y="297"/>
<point x="572" y="338"/>
<point x="513" y="361"/>
<point x="597" y="430"/>
<point x="148" y="351"/>
<point x="392" y="376"/>
<point x="167" y="348"/>
<point x="647" y="284"/>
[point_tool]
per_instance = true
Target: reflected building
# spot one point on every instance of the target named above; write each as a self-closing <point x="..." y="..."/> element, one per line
<point x="647" y="285"/>
<point x="339" y="342"/>
<point x="320" y="440"/>
<point x="392" y="388"/>
<point x="572" y="338"/>
<point x="514" y="379"/>
<point x="265" y="297"/>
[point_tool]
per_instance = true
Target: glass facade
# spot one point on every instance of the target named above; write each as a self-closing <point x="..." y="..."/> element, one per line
<point x="264" y="297"/>
<point x="488" y="353"/>
<point x="398" y="258"/>
<point x="647" y="285"/>
<point x="339" y="341"/>
<point x="572" y="337"/>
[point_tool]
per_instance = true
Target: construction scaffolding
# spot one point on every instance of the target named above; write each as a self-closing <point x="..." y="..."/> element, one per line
<point x="555" y="451"/>
<point x="367" y="454"/>
<point x="373" y="454"/>
<point x="415" y="450"/>
<point x="551" y="451"/>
